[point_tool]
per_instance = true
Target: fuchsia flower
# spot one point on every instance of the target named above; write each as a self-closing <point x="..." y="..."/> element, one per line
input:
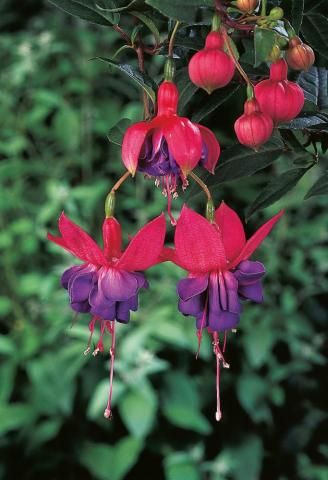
<point x="168" y="147"/>
<point x="109" y="279"/>
<point x="216" y="255"/>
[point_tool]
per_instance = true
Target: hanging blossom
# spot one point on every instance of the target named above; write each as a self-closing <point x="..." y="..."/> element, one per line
<point x="221" y="276"/>
<point x="108" y="281"/>
<point x="169" y="147"/>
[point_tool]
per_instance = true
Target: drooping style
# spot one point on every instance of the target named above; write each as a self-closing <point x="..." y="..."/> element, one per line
<point x="108" y="281"/>
<point x="220" y="274"/>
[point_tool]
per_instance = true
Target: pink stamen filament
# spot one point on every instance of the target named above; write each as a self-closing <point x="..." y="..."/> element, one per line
<point x="92" y="329"/>
<point x="224" y="341"/>
<point x="219" y="359"/>
<point x="100" y="344"/>
<point x="108" y="410"/>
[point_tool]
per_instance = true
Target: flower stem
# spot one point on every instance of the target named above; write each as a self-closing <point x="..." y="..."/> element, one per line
<point x="233" y="56"/>
<point x="110" y="199"/>
<point x="171" y="42"/>
<point x="263" y="8"/>
<point x="203" y="186"/>
<point x="120" y="181"/>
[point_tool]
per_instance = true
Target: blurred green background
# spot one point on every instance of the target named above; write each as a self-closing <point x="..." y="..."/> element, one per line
<point x="56" y="108"/>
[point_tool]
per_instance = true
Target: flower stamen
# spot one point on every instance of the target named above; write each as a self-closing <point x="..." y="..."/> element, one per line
<point x="108" y="410"/>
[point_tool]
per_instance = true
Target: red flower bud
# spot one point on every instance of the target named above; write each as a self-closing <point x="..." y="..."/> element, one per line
<point x="247" y="6"/>
<point x="167" y="99"/>
<point x="281" y="99"/>
<point x="254" y="127"/>
<point x="299" y="56"/>
<point x="211" y="68"/>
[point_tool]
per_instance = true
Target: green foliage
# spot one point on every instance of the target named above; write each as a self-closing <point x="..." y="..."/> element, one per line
<point x="57" y="108"/>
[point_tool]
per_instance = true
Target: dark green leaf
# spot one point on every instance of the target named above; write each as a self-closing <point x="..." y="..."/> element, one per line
<point x="88" y="10"/>
<point x="317" y="122"/>
<point x="116" y="133"/>
<point x="320" y="187"/>
<point x="190" y="43"/>
<point x="275" y="189"/>
<point x="315" y="86"/>
<point x="315" y="31"/>
<point x="239" y="161"/>
<point x="213" y="101"/>
<point x="297" y="14"/>
<point x="142" y="80"/>
<point x="186" y="88"/>
<point x="149" y="23"/>
<point x="264" y="40"/>
<point x="184" y="11"/>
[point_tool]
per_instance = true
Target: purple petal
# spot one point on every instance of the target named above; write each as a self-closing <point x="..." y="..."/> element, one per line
<point x="122" y="313"/>
<point x="100" y="305"/>
<point x="141" y="280"/>
<point x="192" y="286"/>
<point x="223" y="295"/>
<point x="80" y="285"/>
<point x="232" y="303"/>
<point x="118" y="285"/>
<point x="201" y="321"/>
<point x="223" y="321"/>
<point x="193" y="306"/>
<point x="248" y="272"/>
<point x="252" y="292"/>
<point x="67" y="275"/>
<point x="81" y="307"/>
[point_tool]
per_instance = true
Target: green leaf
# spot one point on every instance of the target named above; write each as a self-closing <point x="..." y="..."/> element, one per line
<point x="87" y="10"/>
<point x="250" y="458"/>
<point x="138" y="409"/>
<point x="264" y="40"/>
<point x="15" y="416"/>
<point x="297" y="14"/>
<point x="43" y="432"/>
<point x="315" y="86"/>
<point x="184" y="40"/>
<point x="111" y="462"/>
<point x="238" y="161"/>
<point x="149" y="23"/>
<point x="67" y="127"/>
<point x="275" y="189"/>
<point x="315" y="31"/>
<point x="141" y="79"/>
<point x="184" y="11"/>
<point x="213" y="101"/>
<point x="181" y="404"/>
<point x="318" y="122"/>
<point x="320" y="187"/>
<point x="181" y="467"/>
<point x="252" y="391"/>
<point x="186" y="88"/>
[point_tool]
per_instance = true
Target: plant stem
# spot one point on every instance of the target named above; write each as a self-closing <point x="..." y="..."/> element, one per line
<point x="233" y="56"/>
<point x="263" y="8"/>
<point x="119" y="182"/>
<point x="203" y="186"/>
<point x="171" y="42"/>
